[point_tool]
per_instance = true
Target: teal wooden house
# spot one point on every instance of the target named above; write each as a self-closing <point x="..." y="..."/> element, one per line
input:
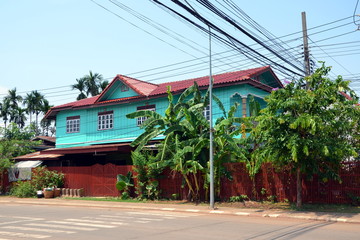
<point x="97" y="129"/>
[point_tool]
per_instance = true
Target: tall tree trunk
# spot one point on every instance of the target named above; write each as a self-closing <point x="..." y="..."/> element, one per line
<point x="298" y="188"/>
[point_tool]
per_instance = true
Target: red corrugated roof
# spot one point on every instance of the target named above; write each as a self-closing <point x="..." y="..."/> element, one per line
<point x="204" y="81"/>
<point x="145" y="89"/>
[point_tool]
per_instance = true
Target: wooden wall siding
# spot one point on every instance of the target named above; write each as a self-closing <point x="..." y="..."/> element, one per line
<point x="99" y="180"/>
<point x="126" y="130"/>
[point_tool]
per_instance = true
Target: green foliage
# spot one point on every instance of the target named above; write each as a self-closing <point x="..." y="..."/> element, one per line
<point x="23" y="189"/>
<point x="239" y="198"/>
<point x="43" y="178"/>
<point x="185" y="148"/>
<point x="123" y="184"/>
<point x="309" y="129"/>
<point x="147" y="168"/>
<point x="16" y="142"/>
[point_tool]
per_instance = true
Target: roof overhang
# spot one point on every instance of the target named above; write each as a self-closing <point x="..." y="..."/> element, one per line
<point x="90" y="149"/>
<point x="38" y="156"/>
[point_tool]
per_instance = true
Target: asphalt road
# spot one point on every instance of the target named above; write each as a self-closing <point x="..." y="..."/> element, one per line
<point x="59" y="222"/>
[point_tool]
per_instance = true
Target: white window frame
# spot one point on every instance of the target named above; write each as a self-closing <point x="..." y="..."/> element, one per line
<point x="141" y="120"/>
<point x="73" y="124"/>
<point x="106" y="120"/>
<point x="206" y="112"/>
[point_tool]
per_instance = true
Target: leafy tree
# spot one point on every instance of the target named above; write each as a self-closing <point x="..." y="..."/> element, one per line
<point x="15" y="142"/>
<point x="309" y="129"/>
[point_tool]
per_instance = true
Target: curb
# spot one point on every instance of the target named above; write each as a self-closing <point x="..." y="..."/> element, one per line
<point x="187" y="210"/>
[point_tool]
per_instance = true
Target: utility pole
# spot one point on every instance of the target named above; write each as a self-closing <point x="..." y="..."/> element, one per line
<point x="307" y="73"/>
<point x="211" y="151"/>
<point x="306" y="45"/>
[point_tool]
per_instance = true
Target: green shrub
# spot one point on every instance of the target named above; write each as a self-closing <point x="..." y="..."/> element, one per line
<point x="43" y="178"/>
<point x="240" y="198"/>
<point x="23" y="189"/>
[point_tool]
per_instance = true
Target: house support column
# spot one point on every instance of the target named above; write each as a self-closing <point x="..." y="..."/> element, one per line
<point x="244" y="112"/>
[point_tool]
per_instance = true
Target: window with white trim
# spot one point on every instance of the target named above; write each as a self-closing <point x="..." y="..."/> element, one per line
<point x="105" y="120"/>
<point x="141" y="120"/>
<point x="206" y="112"/>
<point x="73" y="124"/>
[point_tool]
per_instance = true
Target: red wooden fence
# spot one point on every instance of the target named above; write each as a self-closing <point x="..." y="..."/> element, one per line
<point x="96" y="180"/>
<point x="99" y="180"/>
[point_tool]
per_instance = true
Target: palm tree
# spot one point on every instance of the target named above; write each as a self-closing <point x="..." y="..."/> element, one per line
<point x="12" y="101"/>
<point x="38" y="105"/>
<point x="103" y="85"/>
<point x="45" y="123"/>
<point x="5" y="111"/>
<point x="92" y="83"/>
<point x="80" y="85"/>
<point x="29" y="102"/>
<point x="13" y="98"/>
<point x="18" y="116"/>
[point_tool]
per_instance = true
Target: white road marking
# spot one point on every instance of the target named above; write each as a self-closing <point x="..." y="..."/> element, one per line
<point x="216" y="211"/>
<point x="105" y="218"/>
<point x="94" y="221"/>
<point x="242" y="213"/>
<point x="157" y="214"/>
<point x="168" y="209"/>
<point x="47" y="230"/>
<point x="124" y="217"/>
<point x="82" y="224"/>
<point x="60" y="226"/>
<point x="30" y="218"/>
<point x="23" y="235"/>
<point x="192" y="210"/>
<point x="83" y="220"/>
<point x="151" y="219"/>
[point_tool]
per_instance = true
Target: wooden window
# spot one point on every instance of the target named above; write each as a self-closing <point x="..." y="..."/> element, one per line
<point x="141" y="120"/>
<point x="105" y="120"/>
<point x="73" y="124"/>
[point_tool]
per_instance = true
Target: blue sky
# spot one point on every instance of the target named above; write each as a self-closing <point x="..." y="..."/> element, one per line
<point x="48" y="44"/>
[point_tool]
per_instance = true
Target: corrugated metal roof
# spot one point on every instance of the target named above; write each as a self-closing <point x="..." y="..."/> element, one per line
<point x="145" y="89"/>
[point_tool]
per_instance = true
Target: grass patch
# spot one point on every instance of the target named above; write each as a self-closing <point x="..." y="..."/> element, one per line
<point x="340" y="208"/>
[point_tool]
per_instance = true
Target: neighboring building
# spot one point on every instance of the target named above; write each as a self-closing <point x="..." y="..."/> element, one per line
<point x="96" y="130"/>
<point x="46" y="142"/>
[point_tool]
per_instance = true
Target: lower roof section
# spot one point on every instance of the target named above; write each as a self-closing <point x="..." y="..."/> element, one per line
<point x="90" y="149"/>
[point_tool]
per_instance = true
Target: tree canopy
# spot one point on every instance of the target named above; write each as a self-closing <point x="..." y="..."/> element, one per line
<point x="309" y="128"/>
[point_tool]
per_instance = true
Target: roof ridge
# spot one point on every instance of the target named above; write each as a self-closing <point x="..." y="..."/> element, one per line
<point x="120" y="75"/>
<point x="214" y="75"/>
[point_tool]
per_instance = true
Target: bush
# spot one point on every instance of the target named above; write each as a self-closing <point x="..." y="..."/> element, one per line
<point x="23" y="189"/>
<point x="240" y="198"/>
<point x="43" y="178"/>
